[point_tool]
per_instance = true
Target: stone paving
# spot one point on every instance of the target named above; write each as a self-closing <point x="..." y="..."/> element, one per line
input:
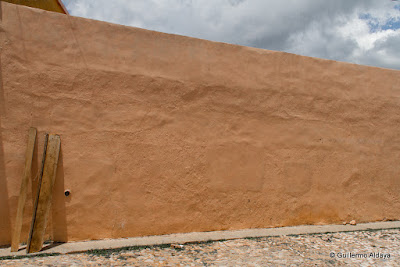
<point x="363" y="248"/>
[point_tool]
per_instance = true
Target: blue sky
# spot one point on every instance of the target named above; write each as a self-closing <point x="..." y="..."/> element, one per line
<point x="391" y="24"/>
<point x="358" y="31"/>
<point x="375" y="25"/>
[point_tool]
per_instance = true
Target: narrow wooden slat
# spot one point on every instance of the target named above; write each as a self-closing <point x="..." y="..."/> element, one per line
<point x="24" y="189"/>
<point x="39" y="183"/>
<point x="45" y="194"/>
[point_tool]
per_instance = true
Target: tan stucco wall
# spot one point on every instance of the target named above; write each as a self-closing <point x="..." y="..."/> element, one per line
<point x="164" y="133"/>
<point x="50" y="5"/>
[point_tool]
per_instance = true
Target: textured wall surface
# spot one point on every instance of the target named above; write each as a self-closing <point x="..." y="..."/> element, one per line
<point x="50" y="5"/>
<point x="163" y="133"/>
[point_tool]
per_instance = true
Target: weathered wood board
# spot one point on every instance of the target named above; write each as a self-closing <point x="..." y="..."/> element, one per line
<point x="42" y="210"/>
<point x="24" y="189"/>
<point x="39" y="183"/>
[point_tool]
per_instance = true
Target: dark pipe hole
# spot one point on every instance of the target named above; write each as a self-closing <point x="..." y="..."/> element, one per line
<point x="67" y="193"/>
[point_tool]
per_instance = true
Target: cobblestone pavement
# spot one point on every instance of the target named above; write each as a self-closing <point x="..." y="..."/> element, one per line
<point x="365" y="248"/>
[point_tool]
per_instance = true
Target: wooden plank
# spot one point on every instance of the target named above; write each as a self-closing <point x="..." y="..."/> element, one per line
<point x="23" y="190"/>
<point x="39" y="183"/>
<point x="45" y="195"/>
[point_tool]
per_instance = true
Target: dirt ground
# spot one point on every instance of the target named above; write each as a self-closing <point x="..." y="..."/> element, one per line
<point x="362" y="248"/>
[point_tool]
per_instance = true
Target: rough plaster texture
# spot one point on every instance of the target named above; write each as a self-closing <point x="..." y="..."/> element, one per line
<point x="50" y="5"/>
<point x="163" y="133"/>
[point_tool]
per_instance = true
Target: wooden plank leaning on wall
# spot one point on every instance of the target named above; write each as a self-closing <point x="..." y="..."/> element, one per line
<point x="42" y="209"/>
<point x="24" y="189"/>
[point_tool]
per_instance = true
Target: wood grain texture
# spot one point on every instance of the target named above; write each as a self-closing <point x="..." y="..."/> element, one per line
<point x="36" y="195"/>
<point x="24" y="189"/>
<point x="45" y="195"/>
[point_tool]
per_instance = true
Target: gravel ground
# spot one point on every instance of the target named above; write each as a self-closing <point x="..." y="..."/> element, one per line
<point x="365" y="248"/>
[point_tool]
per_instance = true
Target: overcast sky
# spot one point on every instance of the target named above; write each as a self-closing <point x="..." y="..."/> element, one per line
<point x="359" y="31"/>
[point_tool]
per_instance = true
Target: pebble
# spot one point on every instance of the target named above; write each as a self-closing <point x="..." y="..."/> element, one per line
<point x="382" y="248"/>
<point x="178" y="246"/>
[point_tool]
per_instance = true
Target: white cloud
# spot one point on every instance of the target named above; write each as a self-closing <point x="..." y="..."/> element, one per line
<point x="341" y="30"/>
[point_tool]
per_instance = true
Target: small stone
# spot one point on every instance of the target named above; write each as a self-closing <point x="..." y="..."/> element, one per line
<point x="353" y="222"/>
<point x="177" y="246"/>
<point x="344" y="223"/>
<point x="327" y="238"/>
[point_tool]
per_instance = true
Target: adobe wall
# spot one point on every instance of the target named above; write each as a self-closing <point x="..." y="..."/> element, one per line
<point x="163" y="133"/>
<point x="50" y="5"/>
